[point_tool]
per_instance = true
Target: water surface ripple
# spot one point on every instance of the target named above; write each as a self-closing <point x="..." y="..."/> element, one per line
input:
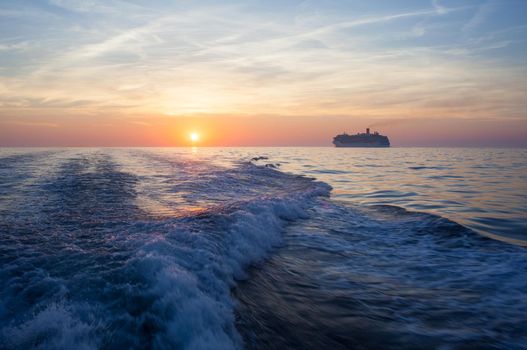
<point x="203" y="249"/>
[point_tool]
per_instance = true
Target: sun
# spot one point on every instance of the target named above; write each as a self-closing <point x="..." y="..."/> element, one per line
<point x="194" y="137"/>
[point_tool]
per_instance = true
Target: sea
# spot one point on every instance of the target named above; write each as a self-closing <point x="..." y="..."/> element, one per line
<point x="263" y="248"/>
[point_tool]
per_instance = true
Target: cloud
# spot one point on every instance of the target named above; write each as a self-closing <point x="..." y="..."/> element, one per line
<point x="480" y="15"/>
<point x="10" y="101"/>
<point x="31" y="123"/>
<point x="140" y="123"/>
<point x="185" y="58"/>
<point x="18" y="46"/>
<point x="439" y="9"/>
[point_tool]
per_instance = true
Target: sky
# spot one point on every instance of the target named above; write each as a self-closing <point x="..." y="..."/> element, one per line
<point x="262" y="73"/>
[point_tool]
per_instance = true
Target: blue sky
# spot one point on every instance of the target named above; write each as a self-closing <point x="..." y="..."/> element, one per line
<point x="368" y="60"/>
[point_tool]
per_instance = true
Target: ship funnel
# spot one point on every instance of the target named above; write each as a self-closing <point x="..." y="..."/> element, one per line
<point x="368" y="131"/>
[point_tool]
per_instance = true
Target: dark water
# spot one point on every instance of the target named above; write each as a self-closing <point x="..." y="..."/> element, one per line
<point x="201" y="249"/>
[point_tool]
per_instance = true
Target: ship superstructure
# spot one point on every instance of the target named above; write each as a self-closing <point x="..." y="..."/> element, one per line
<point x="366" y="139"/>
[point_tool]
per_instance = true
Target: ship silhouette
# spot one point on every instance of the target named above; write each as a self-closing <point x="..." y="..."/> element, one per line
<point x="366" y="139"/>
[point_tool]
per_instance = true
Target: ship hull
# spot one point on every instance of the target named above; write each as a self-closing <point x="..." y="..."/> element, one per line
<point x="360" y="145"/>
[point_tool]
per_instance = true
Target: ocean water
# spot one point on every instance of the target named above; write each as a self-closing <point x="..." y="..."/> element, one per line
<point x="306" y="248"/>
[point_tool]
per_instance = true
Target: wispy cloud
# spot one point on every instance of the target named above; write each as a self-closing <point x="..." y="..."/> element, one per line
<point x="30" y="123"/>
<point x="439" y="9"/>
<point x="481" y="13"/>
<point x="140" y="123"/>
<point x="183" y="58"/>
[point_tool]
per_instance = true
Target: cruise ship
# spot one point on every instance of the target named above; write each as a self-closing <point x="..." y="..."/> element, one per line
<point x="361" y="140"/>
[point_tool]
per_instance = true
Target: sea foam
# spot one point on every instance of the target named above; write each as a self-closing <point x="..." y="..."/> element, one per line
<point x="161" y="283"/>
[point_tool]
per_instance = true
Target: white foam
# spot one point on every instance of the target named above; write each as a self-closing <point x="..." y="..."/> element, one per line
<point x="170" y="279"/>
<point x="191" y="270"/>
<point x="53" y="328"/>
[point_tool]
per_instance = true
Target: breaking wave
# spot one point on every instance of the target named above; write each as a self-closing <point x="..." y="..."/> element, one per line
<point x="96" y="279"/>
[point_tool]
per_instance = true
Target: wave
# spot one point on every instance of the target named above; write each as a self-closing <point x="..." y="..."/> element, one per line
<point x="89" y="260"/>
<point x="428" y="167"/>
<point x="146" y="284"/>
<point x="375" y="277"/>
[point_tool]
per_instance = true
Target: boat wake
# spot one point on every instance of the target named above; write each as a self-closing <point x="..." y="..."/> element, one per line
<point x="136" y="249"/>
<point x="99" y="272"/>
<point x="383" y="277"/>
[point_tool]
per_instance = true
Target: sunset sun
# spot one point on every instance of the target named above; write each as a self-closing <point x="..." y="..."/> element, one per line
<point x="194" y="137"/>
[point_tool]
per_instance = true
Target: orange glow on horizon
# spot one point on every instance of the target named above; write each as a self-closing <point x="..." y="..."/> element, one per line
<point x="223" y="130"/>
